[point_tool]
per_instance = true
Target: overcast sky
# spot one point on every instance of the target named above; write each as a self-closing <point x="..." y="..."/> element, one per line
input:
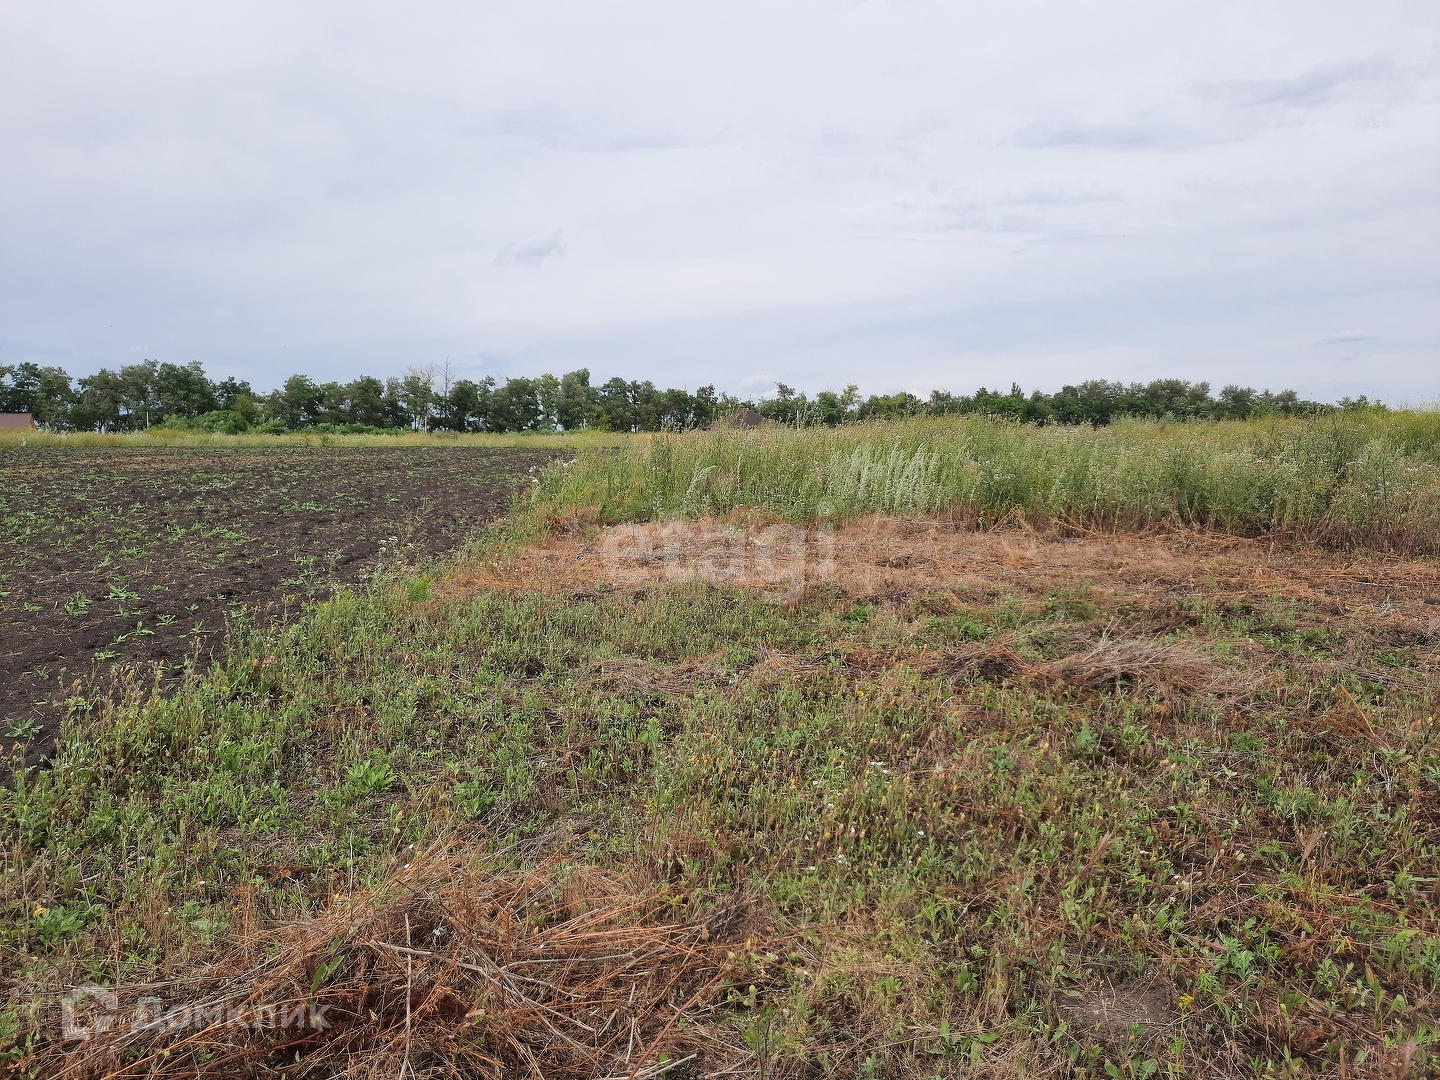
<point x="901" y="195"/>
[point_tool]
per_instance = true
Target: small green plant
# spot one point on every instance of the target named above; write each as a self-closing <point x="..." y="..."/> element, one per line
<point x="53" y="924"/>
<point x="9" y="1028"/>
<point x="474" y="796"/>
<point x="757" y="1030"/>
<point x="419" y="590"/>
<point x="325" y="970"/>
<point x="209" y="925"/>
<point x="368" y="777"/>
<point x="1070" y="605"/>
<point x="1133" y="1068"/>
<point x="949" y="1042"/>
<point x="966" y="981"/>
<point x="24" y="728"/>
<point x="959" y="628"/>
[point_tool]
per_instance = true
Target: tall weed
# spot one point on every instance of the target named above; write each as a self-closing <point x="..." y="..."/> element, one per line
<point x="1368" y="478"/>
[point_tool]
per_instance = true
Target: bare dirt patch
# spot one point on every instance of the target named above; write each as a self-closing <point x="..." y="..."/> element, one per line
<point x="1125" y="1020"/>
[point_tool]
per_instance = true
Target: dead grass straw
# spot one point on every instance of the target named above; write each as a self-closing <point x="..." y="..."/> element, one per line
<point x="1170" y="668"/>
<point x="442" y="970"/>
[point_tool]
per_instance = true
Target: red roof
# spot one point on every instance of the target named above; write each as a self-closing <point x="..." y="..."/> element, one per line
<point x="16" y="421"/>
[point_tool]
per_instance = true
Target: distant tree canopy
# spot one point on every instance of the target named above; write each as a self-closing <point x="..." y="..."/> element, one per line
<point x="151" y="394"/>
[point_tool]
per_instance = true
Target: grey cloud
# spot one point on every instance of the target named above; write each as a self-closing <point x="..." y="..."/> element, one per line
<point x="1345" y="337"/>
<point x="1309" y="90"/>
<point x="543" y="128"/>
<point x="1149" y="132"/>
<point x="531" y="253"/>
<point x="1049" y="193"/>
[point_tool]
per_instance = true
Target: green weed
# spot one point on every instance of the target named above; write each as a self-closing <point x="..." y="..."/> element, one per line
<point x="23" y="728"/>
<point x="1363" y="479"/>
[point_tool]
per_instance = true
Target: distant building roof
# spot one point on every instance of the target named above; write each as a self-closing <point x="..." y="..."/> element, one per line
<point x="741" y="418"/>
<point x="16" y="421"/>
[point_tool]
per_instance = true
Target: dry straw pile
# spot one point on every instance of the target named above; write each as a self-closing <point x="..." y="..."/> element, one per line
<point x="443" y="970"/>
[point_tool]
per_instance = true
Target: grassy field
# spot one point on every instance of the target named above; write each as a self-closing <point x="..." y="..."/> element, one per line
<point x="1370" y="479"/>
<point x="997" y="802"/>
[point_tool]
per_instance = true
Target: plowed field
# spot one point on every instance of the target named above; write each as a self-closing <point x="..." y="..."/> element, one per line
<point x="121" y="560"/>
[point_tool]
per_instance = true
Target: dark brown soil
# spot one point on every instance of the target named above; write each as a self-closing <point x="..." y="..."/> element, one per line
<point x="126" y="560"/>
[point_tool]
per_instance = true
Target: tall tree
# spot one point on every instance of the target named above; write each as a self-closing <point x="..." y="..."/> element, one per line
<point x="297" y="404"/>
<point x="100" y="405"/>
<point x="514" y="406"/>
<point x="182" y="391"/>
<point x="577" y="400"/>
<point x="368" y="405"/>
<point x="44" y="392"/>
<point x="467" y="405"/>
<point x="235" y="395"/>
<point x="139" y="406"/>
<point x="417" y="396"/>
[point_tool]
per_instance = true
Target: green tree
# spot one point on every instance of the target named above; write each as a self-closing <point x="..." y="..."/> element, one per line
<point x="467" y="405"/>
<point x="366" y="403"/>
<point x="707" y="406"/>
<point x="613" y="410"/>
<point x="577" y="400"/>
<point x="100" y="404"/>
<point x="417" y="397"/>
<point x="44" y="392"/>
<point x="139" y="405"/>
<point x="647" y="405"/>
<point x="334" y="407"/>
<point x="892" y="406"/>
<point x="843" y="407"/>
<point x="514" y="406"/>
<point x="297" y="403"/>
<point x="235" y="395"/>
<point x="1237" y="402"/>
<point x="182" y="391"/>
<point x="1175" y="397"/>
<point x="547" y="395"/>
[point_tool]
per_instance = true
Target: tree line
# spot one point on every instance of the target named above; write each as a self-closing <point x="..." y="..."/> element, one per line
<point x="150" y="394"/>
